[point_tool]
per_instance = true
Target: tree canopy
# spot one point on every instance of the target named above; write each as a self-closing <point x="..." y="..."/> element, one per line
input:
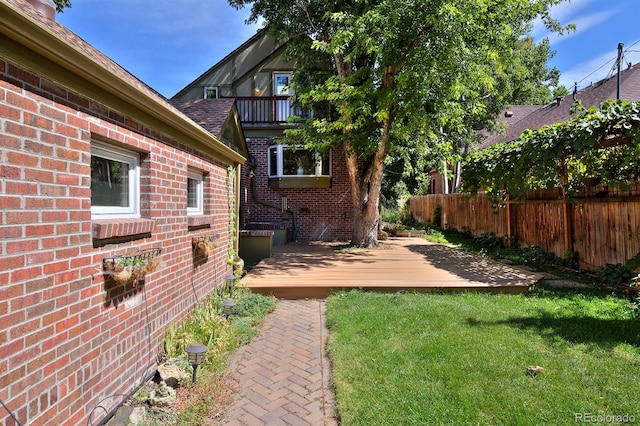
<point x="62" y="4"/>
<point x="527" y="81"/>
<point x="601" y="142"/>
<point x="382" y="75"/>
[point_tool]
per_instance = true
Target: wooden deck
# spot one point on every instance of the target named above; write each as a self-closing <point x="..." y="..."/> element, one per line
<point x="314" y="270"/>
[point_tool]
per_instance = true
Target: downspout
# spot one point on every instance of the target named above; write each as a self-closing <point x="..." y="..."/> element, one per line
<point x="254" y="193"/>
<point x="236" y="243"/>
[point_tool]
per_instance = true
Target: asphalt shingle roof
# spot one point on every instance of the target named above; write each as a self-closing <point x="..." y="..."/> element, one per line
<point x="210" y="114"/>
<point x="559" y="110"/>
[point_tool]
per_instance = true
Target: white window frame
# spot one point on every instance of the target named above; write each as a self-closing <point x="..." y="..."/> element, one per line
<point x="288" y="89"/>
<point x="214" y="89"/>
<point x="199" y="178"/>
<point x="280" y="161"/>
<point x="131" y="158"/>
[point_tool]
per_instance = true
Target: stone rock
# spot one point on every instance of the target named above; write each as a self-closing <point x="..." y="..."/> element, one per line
<point x="163" y="396"/>
<point x="171" y="373"/>
<point x="534" y="370"/>
<point x="138" y="416"/>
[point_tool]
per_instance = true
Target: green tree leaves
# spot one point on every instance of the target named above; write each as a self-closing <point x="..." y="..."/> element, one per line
<point x="387" y="75"/>
<point x="602" y="141"/>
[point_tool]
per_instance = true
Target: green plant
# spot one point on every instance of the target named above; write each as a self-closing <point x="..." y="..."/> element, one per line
<point x="570" y="259"/>
<point x="437" y="216"/>
<point x="488" y="240"/>
<point x="231" y="199"/>
<point x="207" y="325"/>
<point x="414" y="359"/>
<point x="617" y="274"/>
<point x="633" y="263"/>
<point x="601" y="140"/>
<point x="435" y="236"/>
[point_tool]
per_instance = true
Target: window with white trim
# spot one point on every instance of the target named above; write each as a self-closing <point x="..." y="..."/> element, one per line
<point x="210" y="93"/>
<point x="115" y="182"/>
<point x="286" y="160"/>
<point x="195" y="193"/>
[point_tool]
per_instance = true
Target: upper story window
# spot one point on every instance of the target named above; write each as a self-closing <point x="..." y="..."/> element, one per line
<point x="115" y="182"/>
<point x="210" y="93"/>
<point x="195" y="193"/>
<point x="285" y="160"/>
<point x="282" y="83"/>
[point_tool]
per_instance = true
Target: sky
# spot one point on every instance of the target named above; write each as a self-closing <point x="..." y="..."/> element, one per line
<point x="169" y="43"/>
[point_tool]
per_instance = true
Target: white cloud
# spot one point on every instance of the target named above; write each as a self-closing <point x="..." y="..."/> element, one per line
<point x="573" y="12"/>
<point x="564" y="11"/>
<point x="582" y="24"/>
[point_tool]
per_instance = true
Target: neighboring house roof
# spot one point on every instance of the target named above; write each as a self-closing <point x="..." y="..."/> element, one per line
<point x="559" y="110"/>
<point x="62" y="56"/>
<point x="507" y="119"/>
<point x="218" y="116"/>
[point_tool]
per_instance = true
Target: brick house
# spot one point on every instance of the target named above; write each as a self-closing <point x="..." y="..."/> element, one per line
<point x="283" y="186"/>
<point x="94" y="165"/>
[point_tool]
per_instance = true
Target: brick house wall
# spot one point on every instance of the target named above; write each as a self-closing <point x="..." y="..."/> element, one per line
<point x="323" y="214"/>
<point x="69" y="340"/>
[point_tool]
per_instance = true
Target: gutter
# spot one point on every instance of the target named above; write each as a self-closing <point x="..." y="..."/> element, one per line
<point x="75" y="69"/>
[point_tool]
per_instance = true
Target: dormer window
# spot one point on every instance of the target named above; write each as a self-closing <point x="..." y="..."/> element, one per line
<point x="211" y="93"/>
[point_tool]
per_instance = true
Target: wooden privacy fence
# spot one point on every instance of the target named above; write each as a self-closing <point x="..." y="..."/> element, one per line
<point x="601" y="224"/>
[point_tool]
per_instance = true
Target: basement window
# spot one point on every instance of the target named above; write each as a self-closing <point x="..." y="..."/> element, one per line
<point x="115" y="182"/>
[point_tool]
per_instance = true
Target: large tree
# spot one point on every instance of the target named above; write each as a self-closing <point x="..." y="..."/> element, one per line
<point x="62" y="4"/>
<point x="397" y="72"/>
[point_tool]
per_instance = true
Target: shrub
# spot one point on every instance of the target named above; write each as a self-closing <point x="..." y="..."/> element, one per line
<point x="488" y="240"/>
<point x="617" y="274"/>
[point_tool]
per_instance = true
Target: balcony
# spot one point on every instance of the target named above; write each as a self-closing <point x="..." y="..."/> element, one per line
<point x="268" y="109"/>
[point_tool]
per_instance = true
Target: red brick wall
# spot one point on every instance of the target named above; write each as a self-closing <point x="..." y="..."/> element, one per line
<point x="68" y="339"/>
<point x="323" y="214"/>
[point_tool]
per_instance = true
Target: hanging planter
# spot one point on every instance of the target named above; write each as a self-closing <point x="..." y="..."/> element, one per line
<point x="125" y="269"/>
<point x="203" y="246"/>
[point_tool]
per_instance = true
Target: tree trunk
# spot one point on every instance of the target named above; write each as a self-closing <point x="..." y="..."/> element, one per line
<point x="365" y="196"/>
<point x="365" y="173"/>
<point x="366" y="180"/>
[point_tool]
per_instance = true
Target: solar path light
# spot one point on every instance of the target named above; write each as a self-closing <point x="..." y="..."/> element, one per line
<point x="196" y="356"/>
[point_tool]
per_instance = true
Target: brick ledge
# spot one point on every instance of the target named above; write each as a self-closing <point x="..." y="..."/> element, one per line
<point x="113" y="228"/>
<point x="198" y="221"/>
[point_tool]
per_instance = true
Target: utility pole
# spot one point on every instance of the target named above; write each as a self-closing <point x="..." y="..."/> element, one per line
<point x="619" y="62"/>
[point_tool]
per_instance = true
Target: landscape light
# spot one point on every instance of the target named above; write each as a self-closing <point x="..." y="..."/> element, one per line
<point x="195" y="352"/>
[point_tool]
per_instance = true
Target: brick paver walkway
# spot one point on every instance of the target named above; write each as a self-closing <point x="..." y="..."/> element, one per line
<point x="283" y="374"/>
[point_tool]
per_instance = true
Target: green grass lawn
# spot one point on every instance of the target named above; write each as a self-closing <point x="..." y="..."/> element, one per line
<point x="423" y="359"/>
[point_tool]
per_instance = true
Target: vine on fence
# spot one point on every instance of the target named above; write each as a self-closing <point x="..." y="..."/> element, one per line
<point x="602" y="142"/>
<point x="231" y="199"/>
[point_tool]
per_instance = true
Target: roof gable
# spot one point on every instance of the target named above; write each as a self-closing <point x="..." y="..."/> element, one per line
<point x="259" y="51"/>
<point x="219" y="117"/>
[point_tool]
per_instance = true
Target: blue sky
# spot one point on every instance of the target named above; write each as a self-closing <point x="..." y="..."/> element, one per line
<point x="168" y="43"/>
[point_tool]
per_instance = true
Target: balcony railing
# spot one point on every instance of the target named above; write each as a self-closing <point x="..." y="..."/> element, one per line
<point x="268" y="109"/>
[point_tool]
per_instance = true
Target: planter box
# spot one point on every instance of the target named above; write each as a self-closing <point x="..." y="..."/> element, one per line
<point x="410" y="233"/>
<point x="255" y="245"/>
